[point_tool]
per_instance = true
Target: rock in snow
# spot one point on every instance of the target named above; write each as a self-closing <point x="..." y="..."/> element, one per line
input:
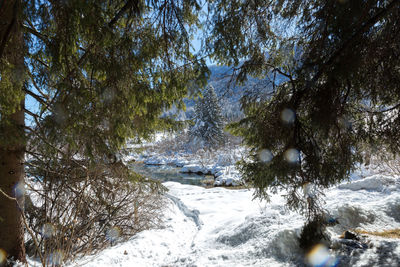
<point x="194" y="168"/>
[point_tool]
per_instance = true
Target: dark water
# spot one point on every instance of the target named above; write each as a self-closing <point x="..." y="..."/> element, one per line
<point x="168" y="173"/>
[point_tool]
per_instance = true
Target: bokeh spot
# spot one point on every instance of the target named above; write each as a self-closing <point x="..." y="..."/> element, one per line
<point x="3" y="256"/>
<point x="113" y="233"/>
<point x="292" y="155"/>
<point x="48" y="230"/>
<point x="288" y="116"/>
<point x="319" y="256"/>
<point x="19" y="190"/>
<point x="56" y="258"/>
<point x="265" y="155"/>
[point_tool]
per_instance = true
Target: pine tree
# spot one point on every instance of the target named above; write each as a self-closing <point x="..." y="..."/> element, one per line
<point x="99" y="71"/>
<point x="208" y="121"/>
<point x="340" y="62"/>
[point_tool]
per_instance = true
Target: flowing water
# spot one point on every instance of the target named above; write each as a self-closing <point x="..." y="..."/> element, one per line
<point x="168" y="173"/>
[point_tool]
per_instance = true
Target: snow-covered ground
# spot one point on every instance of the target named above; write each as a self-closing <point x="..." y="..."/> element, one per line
<point x="227" y="227"/>
<point x="224" y="227"/>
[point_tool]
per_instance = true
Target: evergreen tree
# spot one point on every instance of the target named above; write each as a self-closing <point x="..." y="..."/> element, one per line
<point x="99" y="71"/>
<point x="340" y="60"/>
<point x="208" y="121"/>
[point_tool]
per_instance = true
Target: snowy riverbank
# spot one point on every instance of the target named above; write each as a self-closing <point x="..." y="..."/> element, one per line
<point x="166" y="150"/>
<point x="223" y="227"/>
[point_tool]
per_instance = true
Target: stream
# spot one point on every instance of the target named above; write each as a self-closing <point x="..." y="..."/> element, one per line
<point x="166" y="173"/>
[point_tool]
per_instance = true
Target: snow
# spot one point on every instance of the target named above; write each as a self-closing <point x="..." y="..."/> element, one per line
<point x="228" y="176"/>
<point x="194" y="168"/>
<point x="203" y="227"/>
<point x="225" y="227"/>
<point x="377" y="182"/>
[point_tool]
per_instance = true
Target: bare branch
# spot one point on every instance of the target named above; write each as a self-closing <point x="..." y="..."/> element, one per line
<point x="36" y="97"/>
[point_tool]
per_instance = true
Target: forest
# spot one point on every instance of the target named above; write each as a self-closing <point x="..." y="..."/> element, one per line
<point x="199" y="133"/>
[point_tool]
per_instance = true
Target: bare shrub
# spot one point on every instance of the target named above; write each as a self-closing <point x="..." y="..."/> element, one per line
<point x="381" y="160"/>
<point x="179" y="142"/>
<point x="172" y="142"/>
<point x="388" y="163"/>
<point x="75" y="207"/>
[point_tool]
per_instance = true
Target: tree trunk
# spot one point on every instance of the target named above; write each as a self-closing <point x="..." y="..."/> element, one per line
<point x="12" y="183"/>
<point x="12" y="152"/>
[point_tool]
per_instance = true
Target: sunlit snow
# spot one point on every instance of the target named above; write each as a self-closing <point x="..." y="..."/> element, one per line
<point x="225" y="227"/>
